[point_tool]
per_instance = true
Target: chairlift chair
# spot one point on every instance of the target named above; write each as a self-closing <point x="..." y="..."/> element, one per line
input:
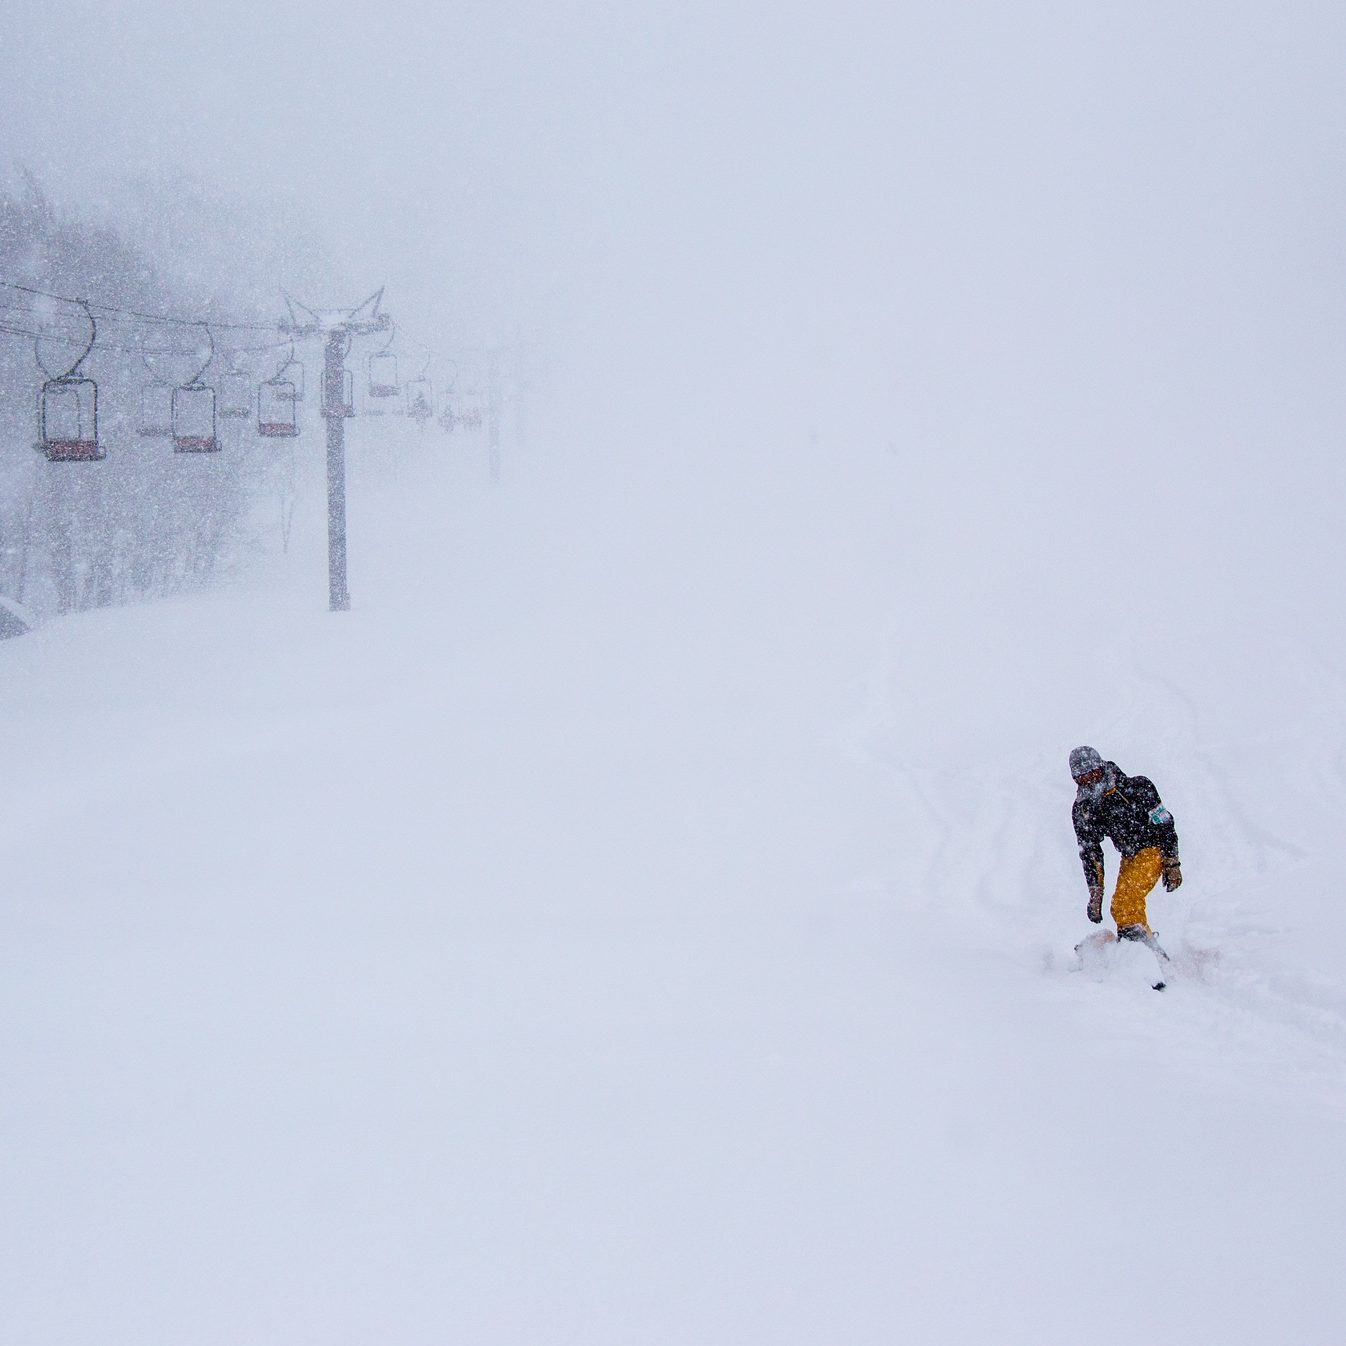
<point x="68" y="408"/>
<point x="420" y="400"/>
<point x="68" y="416"/>
<point x="276" y="411"/>
<point x="277" y="400"/>
<point x="235" y="395"/>
<point x="346" y="393"/>
<point x="156" y="409"/>
<point x="194" y="419"/>
<point x="194" y="410"/>
<point x="382" y="367"/>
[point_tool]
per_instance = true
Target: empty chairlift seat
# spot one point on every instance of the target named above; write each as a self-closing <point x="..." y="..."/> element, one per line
<point x="276" y="418"/>
<point x="194" y="419"/>
<point x="235" y="395"/>
<point x="383" y="375"/>
<point x="470" y="414"/>
<point x="420" y="400"/>
<point x="156" y="410"/>
<point x="68" y="420"/>
<point x="67" y="407"/>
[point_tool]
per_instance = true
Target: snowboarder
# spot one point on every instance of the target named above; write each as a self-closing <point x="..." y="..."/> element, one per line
<point x="1129" y="811"/>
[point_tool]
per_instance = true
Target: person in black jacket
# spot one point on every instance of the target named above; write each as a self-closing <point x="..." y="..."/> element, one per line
<point x="1128" y="810"/>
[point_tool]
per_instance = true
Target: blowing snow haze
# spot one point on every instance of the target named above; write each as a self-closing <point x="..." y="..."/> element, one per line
<point x="647" y="915"/>
<point x="1037" y="234"/>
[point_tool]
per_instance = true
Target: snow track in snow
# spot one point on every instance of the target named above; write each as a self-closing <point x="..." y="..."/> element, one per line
<point x="998" y="859"/>
<point x="547" y="957"/>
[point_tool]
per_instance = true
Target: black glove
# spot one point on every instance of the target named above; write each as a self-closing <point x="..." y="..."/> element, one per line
<point x="1095" y="908"/>
<point x="1172" y="874"/>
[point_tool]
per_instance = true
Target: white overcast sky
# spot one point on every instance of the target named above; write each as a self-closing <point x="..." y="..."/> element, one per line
<point x="896" y="208"/>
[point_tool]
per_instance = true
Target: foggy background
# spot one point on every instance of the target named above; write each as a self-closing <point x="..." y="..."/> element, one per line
<point x="1075" y="277"/>
<point x="646" y="915"/>
<point x="1037" y="235"/>
<point x="1070" y="281"/>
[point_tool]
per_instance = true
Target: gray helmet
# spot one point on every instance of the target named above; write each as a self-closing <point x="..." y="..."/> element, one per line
<point x="1083" y="761"/>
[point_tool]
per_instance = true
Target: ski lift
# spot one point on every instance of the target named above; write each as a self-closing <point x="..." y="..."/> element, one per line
<point x="68" y="408"/>
<point x="346" y="392"/>
<point x="383" y="375"/>
<point x="156" y="407"/>
<point x="194" y="411"/>
<point x="338" y="383"/>
<point x="70" y="421"/>
<point x="235" y="394"/>
<point x="276" y="398"/>
<point x="276" y="410"/>
<point x="382" y="372"/>
<point x="420" y="400"/>
<point x="447" y="420"/>
<point x="471" y="416"/>
<point x="194" y="419"/>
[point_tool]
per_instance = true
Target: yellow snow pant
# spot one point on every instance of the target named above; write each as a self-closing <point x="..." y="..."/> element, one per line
<point x="1135" y="881"/>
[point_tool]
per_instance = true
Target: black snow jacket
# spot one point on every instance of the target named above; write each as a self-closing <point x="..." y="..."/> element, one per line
<point x="1131" y="813"/>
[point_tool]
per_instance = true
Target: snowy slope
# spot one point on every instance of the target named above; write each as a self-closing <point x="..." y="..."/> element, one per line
<point x="645" y="918"/>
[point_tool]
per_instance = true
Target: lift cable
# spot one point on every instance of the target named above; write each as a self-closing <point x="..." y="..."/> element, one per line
<point x="135" y="313"/>
<point x="105" y="345"/>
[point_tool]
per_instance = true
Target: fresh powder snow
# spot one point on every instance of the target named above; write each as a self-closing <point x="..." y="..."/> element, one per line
<point x="652" y="925"/>
<point x="647" y="917"/>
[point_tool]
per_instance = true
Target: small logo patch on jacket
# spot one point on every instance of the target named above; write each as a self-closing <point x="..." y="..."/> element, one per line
<point x="1160" y="816"/>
